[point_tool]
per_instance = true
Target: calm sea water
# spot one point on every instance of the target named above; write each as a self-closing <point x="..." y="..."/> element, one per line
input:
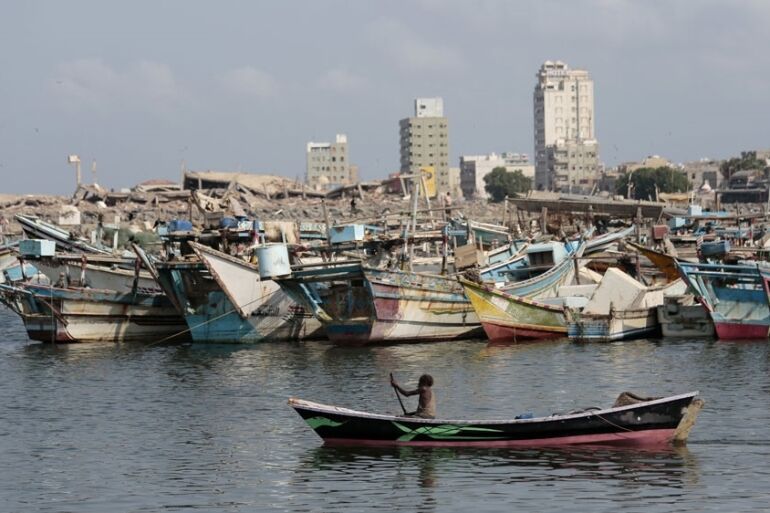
<point x="96" y="428"/>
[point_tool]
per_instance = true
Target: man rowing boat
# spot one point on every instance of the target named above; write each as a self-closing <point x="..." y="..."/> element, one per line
<point x="426" y="406"/>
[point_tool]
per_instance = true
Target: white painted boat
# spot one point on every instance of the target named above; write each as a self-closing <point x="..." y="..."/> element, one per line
<point x="261" y="303"/>
<point x="52" y="314"/>
<point x="618" y="308"/>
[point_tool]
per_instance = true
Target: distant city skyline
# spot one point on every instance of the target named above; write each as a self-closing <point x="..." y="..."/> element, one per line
<point x="144" y="86"/>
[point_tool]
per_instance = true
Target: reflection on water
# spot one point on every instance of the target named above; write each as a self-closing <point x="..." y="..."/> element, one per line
<point x="661" y="466"/>
<point x="130" y="427"/>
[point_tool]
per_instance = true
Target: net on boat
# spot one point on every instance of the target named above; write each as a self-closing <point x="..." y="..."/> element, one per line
<point x="627" y="398"/>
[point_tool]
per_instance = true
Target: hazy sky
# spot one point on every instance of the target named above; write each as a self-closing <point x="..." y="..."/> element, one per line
<point x="140" y="86"/>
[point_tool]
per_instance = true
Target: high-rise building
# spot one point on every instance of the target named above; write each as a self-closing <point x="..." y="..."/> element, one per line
<point x="328" y="165"/>
<point x="566" y="150"/>
<point x="424" y="140"/>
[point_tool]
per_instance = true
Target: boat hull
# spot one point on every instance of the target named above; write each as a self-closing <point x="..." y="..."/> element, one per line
<point x="266" y="314"/>
<point x="726" y="330"/>
<point x="623" y="325"/>
<point x="735" y="296"/>
<point x="507" y="318"/>
<point x="361" y="306"/>
<point x="652" y="422"/>
<point x="87" y="315"/>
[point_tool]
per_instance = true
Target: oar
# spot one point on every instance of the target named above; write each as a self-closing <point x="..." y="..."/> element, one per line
<point x="397" y="395"/>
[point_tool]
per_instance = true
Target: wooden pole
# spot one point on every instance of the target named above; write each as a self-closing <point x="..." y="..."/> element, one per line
<point x="328" y="225"/>
<point x="415" y="197"/>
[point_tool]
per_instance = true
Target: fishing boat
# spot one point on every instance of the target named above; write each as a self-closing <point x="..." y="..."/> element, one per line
<point x="224" y="300"/>
<point x="632" y="421"/>
<point x="505" y="317"/>
<point x="53" y="314"/>
<point x="524" y="310"/>
<point x="35" y="228"/>
<point x="530" y="261"/>
<point x="363" y="305"/>
<point x="619" y="308"/>
<point x="552" y="276"/>
<point x="735" y="296"/>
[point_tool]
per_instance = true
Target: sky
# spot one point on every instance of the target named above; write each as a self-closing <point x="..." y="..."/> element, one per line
<point x="144" y="88"/>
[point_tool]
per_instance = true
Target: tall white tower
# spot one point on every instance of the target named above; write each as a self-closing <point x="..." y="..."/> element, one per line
<point x="564" y="118"/>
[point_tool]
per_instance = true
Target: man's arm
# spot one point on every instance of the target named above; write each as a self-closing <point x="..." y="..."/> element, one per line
<point x="403" y="392"/>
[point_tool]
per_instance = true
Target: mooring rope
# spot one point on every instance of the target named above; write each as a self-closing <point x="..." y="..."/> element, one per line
<point x="612" y="424"/>
<point x="189" y="329"/>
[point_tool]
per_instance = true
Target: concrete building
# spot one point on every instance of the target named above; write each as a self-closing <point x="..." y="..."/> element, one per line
<point x="566" y="151"/>
<point x="651" y="161"/>
<point x="328" y="165"/>
<point x="473" y="169"/>
<point x="449" y="182"/>
<point x="702" y="172"/>
<point x="424" y="140"/>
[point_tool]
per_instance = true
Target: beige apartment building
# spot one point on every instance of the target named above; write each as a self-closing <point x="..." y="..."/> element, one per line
<point x="328" y="164"/>
<point x="424" y="141"/>
<point x="566" y="151"/>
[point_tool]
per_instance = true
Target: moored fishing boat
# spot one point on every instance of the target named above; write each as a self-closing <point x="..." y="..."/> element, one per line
<point x="505" y="317"/>
<point x="362" y="305"/>
<point x="619" y="308"/>
<point x="224" y="300"/>
<point x="736" y="297"/>
<point x="631" y="421"/>
<point x="683" y="317"/>
<point x="35" y="228"/>
<point x="52" y="314"/>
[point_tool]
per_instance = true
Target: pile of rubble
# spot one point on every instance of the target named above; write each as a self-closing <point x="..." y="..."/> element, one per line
<point x="203" y="197"/>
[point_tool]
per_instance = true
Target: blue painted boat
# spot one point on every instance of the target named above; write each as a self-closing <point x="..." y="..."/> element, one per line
<point x="224" y="300"/>
<point x="545" y="283"/>
<point x="736" y="297"/>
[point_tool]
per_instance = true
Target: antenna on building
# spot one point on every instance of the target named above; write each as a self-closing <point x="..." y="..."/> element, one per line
<point x="93" y="170"/>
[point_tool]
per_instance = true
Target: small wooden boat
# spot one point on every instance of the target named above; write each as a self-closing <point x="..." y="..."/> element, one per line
<point x="631" y="421"/>
<point x="619" y="308"/>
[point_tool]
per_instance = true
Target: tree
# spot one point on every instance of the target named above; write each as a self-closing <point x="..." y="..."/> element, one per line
<point x="747" y="160"/>
<point x="644" y="180"/>
<point x="500" y="183"/>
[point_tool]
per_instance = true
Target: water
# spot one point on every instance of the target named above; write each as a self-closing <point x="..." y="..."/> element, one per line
<point x="94" y="428"/>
